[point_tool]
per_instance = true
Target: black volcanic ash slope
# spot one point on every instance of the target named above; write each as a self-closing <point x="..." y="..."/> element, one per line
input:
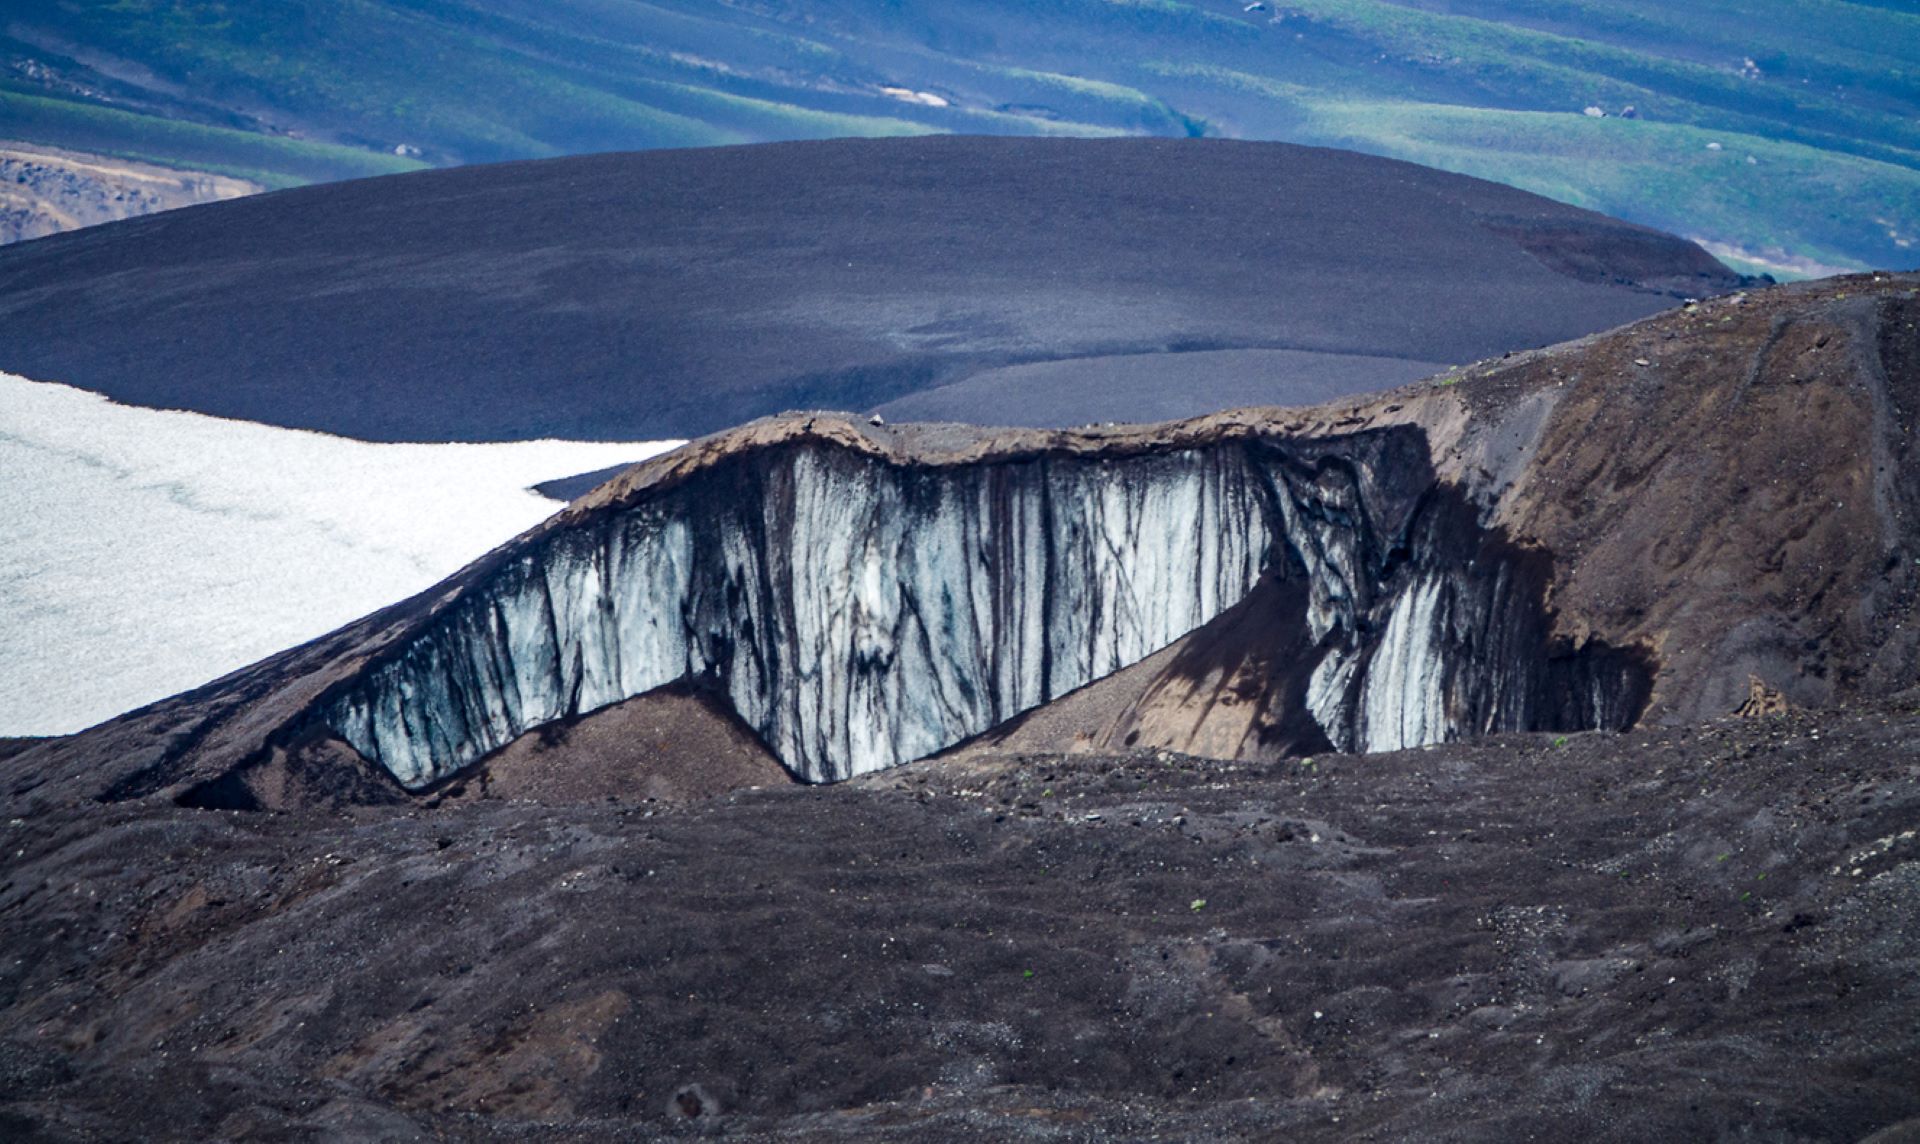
<point x="1718" y="500"/>
<point x="673" y="293"/>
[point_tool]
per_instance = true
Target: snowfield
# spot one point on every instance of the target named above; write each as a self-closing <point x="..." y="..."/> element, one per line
<point x="147" y="552"/>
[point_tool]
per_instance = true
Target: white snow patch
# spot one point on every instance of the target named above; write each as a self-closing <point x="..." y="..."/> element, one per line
<point x="1777" y="261"/>
<point x="146" y="552"/>
<point x="909" y="95"/>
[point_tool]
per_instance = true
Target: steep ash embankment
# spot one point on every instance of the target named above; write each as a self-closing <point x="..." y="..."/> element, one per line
<point x="1718" y="495"/>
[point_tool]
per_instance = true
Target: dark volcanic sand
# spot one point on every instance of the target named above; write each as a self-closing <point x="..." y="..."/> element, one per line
<point x="671" y="293"/>
<point x="1155" y="387"/>
<point x="564" y="489"/>
<point x="1672" y="935"/>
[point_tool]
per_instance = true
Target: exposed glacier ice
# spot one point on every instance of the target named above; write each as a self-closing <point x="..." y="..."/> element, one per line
<point x="147" y="552"/>
<point x="860" y="613"/>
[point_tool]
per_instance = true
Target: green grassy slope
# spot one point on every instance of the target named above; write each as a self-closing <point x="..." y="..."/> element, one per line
<point x="1823" y="96"/>
<point x="274" y="161"/>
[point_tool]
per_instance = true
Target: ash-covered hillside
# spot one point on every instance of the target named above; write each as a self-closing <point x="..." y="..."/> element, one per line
<point x="1695" y="933"/>
<point x="668" y="294"/>
<point x="627" y="922"/>
<point x="1664" y="523"/>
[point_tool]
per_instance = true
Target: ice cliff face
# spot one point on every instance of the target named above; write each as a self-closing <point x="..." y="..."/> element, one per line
<point x="859" y="612"/>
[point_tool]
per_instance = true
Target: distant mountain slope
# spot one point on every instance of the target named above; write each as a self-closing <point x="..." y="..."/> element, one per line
<point x="45" y="192"/>
<point x="665" y="294"/>
<point x="1786" y="132"/>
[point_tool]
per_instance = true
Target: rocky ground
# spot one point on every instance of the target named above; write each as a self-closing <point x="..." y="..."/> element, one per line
<point x="45" y="191"/>
<point x="1706" y="933"/>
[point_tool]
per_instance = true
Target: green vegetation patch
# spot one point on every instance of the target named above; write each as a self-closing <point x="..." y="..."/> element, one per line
<point x="269" y="160"/>
<point x="1717" y="186"/>
<point x="1823" y="95"/>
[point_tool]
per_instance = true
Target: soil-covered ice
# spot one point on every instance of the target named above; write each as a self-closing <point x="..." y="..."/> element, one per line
<point x="148" y="551"/>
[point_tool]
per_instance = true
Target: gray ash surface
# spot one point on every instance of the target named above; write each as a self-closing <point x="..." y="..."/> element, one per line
<point x="672" y="293"/>
<point x="1700" y="933"/>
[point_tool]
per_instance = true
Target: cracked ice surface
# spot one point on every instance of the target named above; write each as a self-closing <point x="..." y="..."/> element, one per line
<point x="147" y="552"/>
